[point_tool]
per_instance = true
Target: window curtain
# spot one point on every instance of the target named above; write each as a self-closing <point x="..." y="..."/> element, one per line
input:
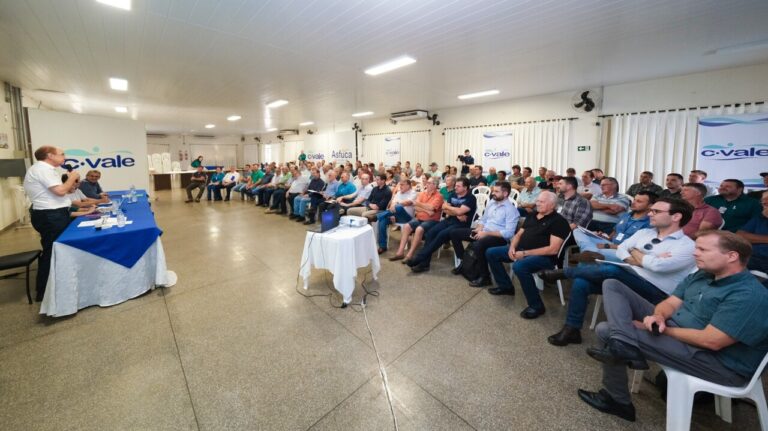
<point x="542" y="143"/>
<point x="414" y="147"/>
<point x="660" y="142"/>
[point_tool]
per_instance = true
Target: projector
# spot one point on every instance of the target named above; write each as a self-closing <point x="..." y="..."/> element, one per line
<point x="353" y="221"/>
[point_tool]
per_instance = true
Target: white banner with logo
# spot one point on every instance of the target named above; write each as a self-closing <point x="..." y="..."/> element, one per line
<point x="115" y="147"/>
<point x="497" y="150"/>
<point x="391" y="150"/>
<point x="734" y="146"/>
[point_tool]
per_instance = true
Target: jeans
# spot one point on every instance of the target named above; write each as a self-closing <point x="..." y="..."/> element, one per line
<point x="588" y="280"/>
<point x="523" y="270"/>
<point x="438" y="235"/>
<point x="300" y="205"/>
<point x="401" y="216"/>
<point x="49" y="224"/>
<point x="589" y="243"/>
<point x="459" y="235"/>
<point x="239" y="187"/>
<point x="290" y="200"/>
<point x="265" y="194"/>
<point x="214" y="188"/>
<point x="195" y="185"/>
<point x="278" y="200"/>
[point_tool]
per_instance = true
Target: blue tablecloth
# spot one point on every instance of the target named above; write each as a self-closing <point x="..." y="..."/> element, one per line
<point x="125" y="245"/>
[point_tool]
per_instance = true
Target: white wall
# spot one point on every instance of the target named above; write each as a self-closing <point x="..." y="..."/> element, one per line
<point x="183" y="144"/>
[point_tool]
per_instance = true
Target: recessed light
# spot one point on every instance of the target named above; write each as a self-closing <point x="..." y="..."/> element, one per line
<point x="120" y="4"/>
<point x="390" y="65"/>
<point x="234" y="118"/>
<point x="77" y="107"/>
<point x="210" y="126"/>
<point x="362" y="114"/>
<point x="479" y="94"/>
<point x="307" y="123"/>
<point x="277" y="103"/>
<point x="272" y="129"/>
<point x="121" y="109"/>
<point x="118" y="84"/>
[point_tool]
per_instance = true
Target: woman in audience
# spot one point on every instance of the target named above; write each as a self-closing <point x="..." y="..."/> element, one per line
<point x="446" y="172"/>
<point x="197" y="162"/>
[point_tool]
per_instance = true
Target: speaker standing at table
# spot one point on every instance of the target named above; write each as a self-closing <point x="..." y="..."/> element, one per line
<point x="50" y="205"/>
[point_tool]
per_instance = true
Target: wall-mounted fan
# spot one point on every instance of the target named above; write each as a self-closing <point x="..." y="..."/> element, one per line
<point x="586" y="101"/>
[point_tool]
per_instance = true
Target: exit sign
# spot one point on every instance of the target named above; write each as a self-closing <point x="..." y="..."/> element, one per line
<point x="583" y="148"/>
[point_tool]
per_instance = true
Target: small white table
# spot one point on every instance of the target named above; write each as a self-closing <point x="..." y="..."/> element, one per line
<point x="342" y="251"/>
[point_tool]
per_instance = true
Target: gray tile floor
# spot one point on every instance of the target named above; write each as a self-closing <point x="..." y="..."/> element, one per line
<point x="234" y="346"/>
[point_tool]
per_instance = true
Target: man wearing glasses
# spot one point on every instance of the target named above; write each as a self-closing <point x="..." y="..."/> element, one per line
<point x="655" y="260"/>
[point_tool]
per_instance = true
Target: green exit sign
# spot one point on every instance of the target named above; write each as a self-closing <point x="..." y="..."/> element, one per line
<point x="583" y="148"/>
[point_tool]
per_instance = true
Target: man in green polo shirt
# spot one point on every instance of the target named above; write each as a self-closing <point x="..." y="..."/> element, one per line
<point x="253" y="180"/>
<point x="445" y="191"/>
<point x="713" y="326"/>
<point x="735" y="207"/>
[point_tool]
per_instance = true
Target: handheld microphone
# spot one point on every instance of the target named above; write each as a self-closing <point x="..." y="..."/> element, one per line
<point x="68" y="167"/>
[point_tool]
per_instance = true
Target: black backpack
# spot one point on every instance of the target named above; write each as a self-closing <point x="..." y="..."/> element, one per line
<point x="470" y="266"/>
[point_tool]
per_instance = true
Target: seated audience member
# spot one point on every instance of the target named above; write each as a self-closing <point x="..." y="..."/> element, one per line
<point x="361" y="198"/>
<point x="91" y="187"/>
<point x="608" y="206"/>
<point x="534" y="247"/>
<point x="400" y="210"/>
<point x="197" y="182"/>
<point x="599" y="175"/>
<point x="243" y="181"/>
<point x="674" y="184"/>
<point x="516" y="177"/>
<point x="310" y="198"/>
<point x="459" y="210"/>
<point x="447" y="189"/>
<point x="704" y="217"/>
<point x="476" y="177"/>
<point x="427" y="210"/>
<point x="79" y="203"/>
<point x="378" y="200"/>
<point x="253" y="189"/>
<point x="252" y="181"/>
<point x="455" y="171"/>
<point x="346" y="191"/>
<point x="526" y="201"/>
<point x="757" y="194"/>
<point x="495" y="228"/>
<point x="588" y="187"/>
<point x="592" y="247"/>
<point x="407" y="171"/>
<point x="214" y="185"/>
<point x="491" y="177"/>
<point x="713" y="326"/>
<point x="278" y="205"/>
<point x="734" y="206"/>
<point x="756" y="232"/>
<point x="661" y="257"/>
<point x="279" y="181"/>
<point x="446" y="172"/>
<point x="576" y="210"/>
<point x="299" y="185"/>
<point x="434" y="170"/>
<point x="700" y="177"/>
<point x="331" y="188"/>
<point x="571" y="172"/>
<point x="229" y="181"/>
<point x="550" y="181"/>
<point x="646" y="184"/>
<point x="501" y="176"/>
<point x="542" y="175"/>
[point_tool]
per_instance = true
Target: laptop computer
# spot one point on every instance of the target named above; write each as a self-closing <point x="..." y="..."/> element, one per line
<point x="329" y="219"/>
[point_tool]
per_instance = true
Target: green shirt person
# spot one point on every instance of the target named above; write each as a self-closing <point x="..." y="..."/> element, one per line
<point x="197" y="162"/>
<point x="735" y="207"/>
<point x="302" y="156"/>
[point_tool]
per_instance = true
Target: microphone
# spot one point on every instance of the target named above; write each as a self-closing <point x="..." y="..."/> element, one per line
<point x="68" y="167"/>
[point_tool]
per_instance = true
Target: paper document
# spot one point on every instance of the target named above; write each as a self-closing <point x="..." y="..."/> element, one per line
<point x="592" y="234"/>
<point x="92" y="223"/>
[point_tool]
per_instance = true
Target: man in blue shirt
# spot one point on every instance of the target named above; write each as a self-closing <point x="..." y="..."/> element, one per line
<point x="496" y="227"/>
<point x="91" y="187"/>
<point x="344" y="190"/>
<point x="756" y="232"/>
<point x="713" y="326"/>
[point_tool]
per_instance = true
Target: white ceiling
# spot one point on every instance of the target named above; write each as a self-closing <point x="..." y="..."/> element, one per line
<point x="190" y="62"/>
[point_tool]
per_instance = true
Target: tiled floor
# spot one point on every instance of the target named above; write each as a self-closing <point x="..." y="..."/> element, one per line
<point x="234" y="346"/>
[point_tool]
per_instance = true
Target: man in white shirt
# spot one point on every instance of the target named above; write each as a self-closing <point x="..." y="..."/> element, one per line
<point x="50" y="205"/>
<point x="363" y="192"/>
<point x="526" y="201"/>
<point x="400" y="210"/>
<point x="588" y="188"/>
<point x="230" y="181"/>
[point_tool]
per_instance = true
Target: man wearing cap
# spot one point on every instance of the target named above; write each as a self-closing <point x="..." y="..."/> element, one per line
<point x="758" y="194"/>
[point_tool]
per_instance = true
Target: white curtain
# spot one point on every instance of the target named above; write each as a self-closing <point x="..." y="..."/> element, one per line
<point x="661" y="142"/>
<point x="414" y="147"/>
<point x="543" y="143"/>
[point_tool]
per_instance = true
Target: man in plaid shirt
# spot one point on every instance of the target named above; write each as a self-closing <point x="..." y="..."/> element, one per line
<point x="576" y="209"/>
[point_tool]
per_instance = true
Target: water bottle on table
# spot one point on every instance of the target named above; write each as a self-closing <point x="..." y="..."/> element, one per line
<point x="132" y="193"/>
<point x="120" y="218"/>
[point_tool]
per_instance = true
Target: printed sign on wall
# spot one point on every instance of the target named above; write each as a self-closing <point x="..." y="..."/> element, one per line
<point x="735" y="146"/>
<point x="497" y="150"/>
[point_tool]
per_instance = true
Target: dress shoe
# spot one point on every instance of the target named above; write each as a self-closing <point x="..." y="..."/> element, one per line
<point x="602" y="401"/>
<point x="406" y="262"/>
<point x="197" y="200"/>
<point x="308" y="222"/>
<point x="552" y="275"/>
<point x="292" y="216"/>
<point x="457" y="270"/>
<point x="419" y="268"/>
<point x="480" y="282"/>
<point x="411" y="262"/>
<point x="617" y="352"/>
<point x="188" y="201"/>
<point x="300" y="219"/>
<point x="531" y="313"/>
<point x="589" y="257"/>
<point x="381" y="250"/>
<point x="396" y="257"/>
<point x="567" y="335"/>
<point x="270" y="211"/>
<point x="500" y="291"/>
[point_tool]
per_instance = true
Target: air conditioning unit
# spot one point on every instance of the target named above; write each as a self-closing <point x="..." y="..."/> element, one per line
<point x="416" y="114"/>
<point x="156" y="135"/>
<point x="204" y="136"/>
<point x="288" y="132"/>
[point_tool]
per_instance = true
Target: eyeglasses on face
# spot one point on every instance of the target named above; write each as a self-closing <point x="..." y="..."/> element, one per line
<point x="653" y="242"/>
<point x="655" y="211"/>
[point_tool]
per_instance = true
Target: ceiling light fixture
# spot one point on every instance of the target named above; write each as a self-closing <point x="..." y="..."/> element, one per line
<point x="390" y="65"/>
<point x="277" y="103"/>
<point x="272" y="129"/>
<point x="479" y="94"/>
<point x="118" y="84"/>
<point x="210" y="126"/>
<point x="121" y="109"/>
<point x="234" y="118"/>
<point x="362" y="114"/>
<point x="120" y="4"/>
<point x="77" y="107"/>
<point x="748" y="46"/>
<point x="307" y="123"/>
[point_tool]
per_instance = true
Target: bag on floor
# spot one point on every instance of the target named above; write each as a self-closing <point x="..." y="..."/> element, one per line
<point x="470" y="266"/>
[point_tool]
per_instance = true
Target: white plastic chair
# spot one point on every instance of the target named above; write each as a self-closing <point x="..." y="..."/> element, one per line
<point x="540" y="283"/>
<point x="681" y="388"/>
<point x="759" y="274"/>
<point x="175" y="166"/>
<point x="513" y="195"/>
<point x="157" y="163"/>
<point x="482" y="190"/>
